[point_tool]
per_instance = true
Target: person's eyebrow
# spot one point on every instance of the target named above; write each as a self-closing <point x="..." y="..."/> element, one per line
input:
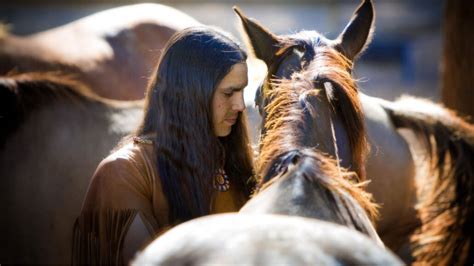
<point x="235" y="88"/>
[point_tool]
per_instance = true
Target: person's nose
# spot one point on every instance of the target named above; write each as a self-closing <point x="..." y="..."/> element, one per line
<point x="239" y="103"/>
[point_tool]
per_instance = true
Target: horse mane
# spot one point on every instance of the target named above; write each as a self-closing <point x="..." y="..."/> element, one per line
<point x="447" y="207"/>
<point x="285" y="128"/>
<point x="327" y="66"/>
<point x="22" y="94"/>
<point x="349" y="199"/>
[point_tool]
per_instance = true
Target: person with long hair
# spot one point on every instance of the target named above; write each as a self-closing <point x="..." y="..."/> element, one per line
<point x="189" y="157"/>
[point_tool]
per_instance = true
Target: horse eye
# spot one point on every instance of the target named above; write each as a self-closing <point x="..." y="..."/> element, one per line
<point x="300" y="49"/>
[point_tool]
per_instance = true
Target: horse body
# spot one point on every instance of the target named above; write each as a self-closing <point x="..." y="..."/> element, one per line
<point x="113" y="51"/>
<point x="47" y="159"/>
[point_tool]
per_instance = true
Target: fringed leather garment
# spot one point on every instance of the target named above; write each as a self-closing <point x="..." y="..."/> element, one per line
<point x="126" y="186"/>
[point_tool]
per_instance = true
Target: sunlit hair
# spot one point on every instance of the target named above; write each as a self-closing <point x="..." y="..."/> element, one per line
<point x="178" y="109"/>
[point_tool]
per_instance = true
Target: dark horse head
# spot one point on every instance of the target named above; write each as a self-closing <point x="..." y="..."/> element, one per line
<point x="338" y="126"/>
<point x="295" y="177"/>
<point x="310" y="109"/>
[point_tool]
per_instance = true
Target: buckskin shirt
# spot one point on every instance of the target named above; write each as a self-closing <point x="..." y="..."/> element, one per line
<point x="125" y="202"/>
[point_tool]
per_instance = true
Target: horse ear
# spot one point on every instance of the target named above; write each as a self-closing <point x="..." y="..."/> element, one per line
<point x="259" y="39"/>
<point x="358" y="32"/>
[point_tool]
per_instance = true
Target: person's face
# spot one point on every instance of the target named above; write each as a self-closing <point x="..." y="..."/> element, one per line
<point x="228" y="99"/>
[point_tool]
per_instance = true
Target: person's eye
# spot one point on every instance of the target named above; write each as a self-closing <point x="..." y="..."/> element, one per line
<point x="228" y="94"/>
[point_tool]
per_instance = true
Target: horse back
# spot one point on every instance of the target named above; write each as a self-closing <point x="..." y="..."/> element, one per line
<point x="114" y="51"/>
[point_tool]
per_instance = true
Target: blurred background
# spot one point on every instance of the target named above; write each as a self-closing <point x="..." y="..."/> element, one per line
<point x="404" y="56"/>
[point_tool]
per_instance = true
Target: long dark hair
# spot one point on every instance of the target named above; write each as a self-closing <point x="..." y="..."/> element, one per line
<point x="178" y="110"/>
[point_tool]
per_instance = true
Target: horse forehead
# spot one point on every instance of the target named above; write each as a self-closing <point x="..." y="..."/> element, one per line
<point x="309" y="38"/>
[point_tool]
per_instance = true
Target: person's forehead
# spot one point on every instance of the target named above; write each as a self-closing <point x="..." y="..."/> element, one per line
<point x="237" y="77"/>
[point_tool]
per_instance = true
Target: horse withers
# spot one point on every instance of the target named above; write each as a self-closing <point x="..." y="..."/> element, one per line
<point x="444" y="213"/>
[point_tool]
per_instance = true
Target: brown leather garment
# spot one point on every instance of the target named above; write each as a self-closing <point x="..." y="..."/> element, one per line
<point x="126" y="184"/>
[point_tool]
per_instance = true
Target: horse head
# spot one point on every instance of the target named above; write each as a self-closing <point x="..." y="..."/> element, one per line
<point x="310" y="59"/>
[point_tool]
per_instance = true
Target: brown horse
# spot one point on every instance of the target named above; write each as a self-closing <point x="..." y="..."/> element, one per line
<point x="294" y="219"/>
<point x="54" y="131"/>
<point x="112" y="51"/>
<point x="440" y="199"/>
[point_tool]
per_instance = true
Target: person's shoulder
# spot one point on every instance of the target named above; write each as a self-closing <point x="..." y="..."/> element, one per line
<point x="128" y="153"/>
<point x="120" y="181"/>
<point x="130" y="164"/>
<point x="125" y="160"/>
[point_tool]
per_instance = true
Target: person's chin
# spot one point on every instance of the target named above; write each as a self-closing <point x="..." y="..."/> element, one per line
<point x="224" y="132"/>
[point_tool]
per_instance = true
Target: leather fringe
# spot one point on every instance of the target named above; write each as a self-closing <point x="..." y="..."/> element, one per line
<point x="98" y="236"/>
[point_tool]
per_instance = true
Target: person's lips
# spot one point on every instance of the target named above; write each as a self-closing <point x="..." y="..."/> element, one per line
<point x="231" y="120"/>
